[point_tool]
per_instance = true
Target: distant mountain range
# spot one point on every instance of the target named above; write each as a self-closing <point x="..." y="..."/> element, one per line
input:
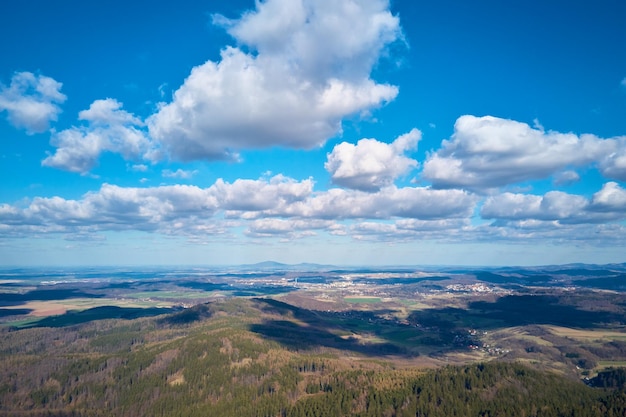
<point x="277" y="266"/>
<point x="574" y="269"/>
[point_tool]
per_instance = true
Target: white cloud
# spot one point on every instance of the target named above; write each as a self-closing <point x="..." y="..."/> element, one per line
<point x="554" y="205"/>
<point x="176" y="209"/>
<point x="179" y="173"/>
<point x="161" y="89"/>
<point x="376" y="231"/>
<point x="609" y="204"/>
<point x="566" y="178"/>
<point x="370" y="165"/>
<point x="283" y="208"/>
<point x="404" y="230"/>
<point x="308" y="68"/>
<point x="108" y="113"/>
<point x="324" y="34"/>
<point x="108" y="129"/>
<point x="407" y="202"/>
<point x="544" y="232"/>
<point x="260" y="195"/>
<point x="112" y="208"/>
<point x="139" y="167"/>
<point x="488" y="152"/>
<point x="77" y="150"/>
<point x="451" y="225"/>
<point x="610" y="198"/>
<point x="286" y="229"/>
<point x="269" y="205"/>
<point x="613" y="165"/>
<point x="623" y="82"/>
<point x="31" y="101"/>
<point x="511" y="206"/>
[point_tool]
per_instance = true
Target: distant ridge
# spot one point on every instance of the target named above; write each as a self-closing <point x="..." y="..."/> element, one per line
<point x="265" y="264"/>
<point x="268" y="266"/>
<point x="278" y="266"/>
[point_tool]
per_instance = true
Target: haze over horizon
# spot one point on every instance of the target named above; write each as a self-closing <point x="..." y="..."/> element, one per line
<point x="333" y="132"/>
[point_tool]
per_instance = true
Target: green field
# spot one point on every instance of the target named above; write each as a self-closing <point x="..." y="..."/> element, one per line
<point x="363" y="300"/>
<point x="611" y="364"/>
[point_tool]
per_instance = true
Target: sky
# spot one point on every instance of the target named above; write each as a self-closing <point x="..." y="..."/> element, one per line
<point x="346" y="132"/>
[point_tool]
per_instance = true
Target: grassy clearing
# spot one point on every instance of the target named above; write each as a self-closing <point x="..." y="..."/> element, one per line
<point x="43" y="309"/>
<point x="413" y="304"/>
<point x="362" y="300"/>
<point x="21" y="323"/>
<point x="611" y="364"/>
<point x="586" y="335"/>
<point x="519" y="334"/>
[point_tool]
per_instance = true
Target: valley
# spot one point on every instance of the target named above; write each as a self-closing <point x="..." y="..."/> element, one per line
<point x="129" y="342"/>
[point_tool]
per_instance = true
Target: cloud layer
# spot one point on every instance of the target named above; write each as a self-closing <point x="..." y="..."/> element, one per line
<point x="284" y="208"/>
<point x="608" y="204"/>
<point x="259" y="203"/>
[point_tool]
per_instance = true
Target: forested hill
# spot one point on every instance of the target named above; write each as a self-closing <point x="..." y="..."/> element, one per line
<point x="209" y="361"/>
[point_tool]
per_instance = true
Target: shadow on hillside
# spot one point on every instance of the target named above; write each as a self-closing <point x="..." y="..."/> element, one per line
<point x="442" y="329"/>
<point x="615" y="283"/>
<point x="542" y="309"/>
<point x="204" y="286"/>
<point x="296" y="336"/>
<point x="72" y="318"/>
<point x="514" y="310"/>
<point x="7" y="312"/>
<point x="261" y="290"/>
<point x="44" y="295"/>
<point x="320" y="329"/>
<point x="188" y="315"/>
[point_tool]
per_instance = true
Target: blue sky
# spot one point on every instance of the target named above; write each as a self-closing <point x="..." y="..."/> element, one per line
<point x="345" y="132"/>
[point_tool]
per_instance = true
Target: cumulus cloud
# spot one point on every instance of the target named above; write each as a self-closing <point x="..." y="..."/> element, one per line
<point x="284" y="208"/>
<point x="611" y="198"/>
<point x="269" y="205"/>
<point x="554" y="205"/>
<point x="31" y="101"/>
<point x="389" y="202"/>
<point x="412" y="229"/>
<point x="108" y="129"/>
<point x="613" y="165"/>
<point x="488" y="152"/>
<point x="163" y="208"/>
<point x="259" y="195"/>
<point x="566" y="178"/>
<point x="111" y="208"/>
<point x="300" y="67"/>
<point x="608" y="204"/>
<point x="179" y="173"/>
<point x="139" y="167"/>
<point x="550" y="232"/>
<point x="286" y="228"/>
<point x="370" y="165"/>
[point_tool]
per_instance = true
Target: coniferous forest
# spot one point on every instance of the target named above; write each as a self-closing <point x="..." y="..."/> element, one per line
<point x="215" y="359"/>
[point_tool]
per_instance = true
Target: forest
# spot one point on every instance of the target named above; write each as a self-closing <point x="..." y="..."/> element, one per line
<point x="241" y="357"/>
